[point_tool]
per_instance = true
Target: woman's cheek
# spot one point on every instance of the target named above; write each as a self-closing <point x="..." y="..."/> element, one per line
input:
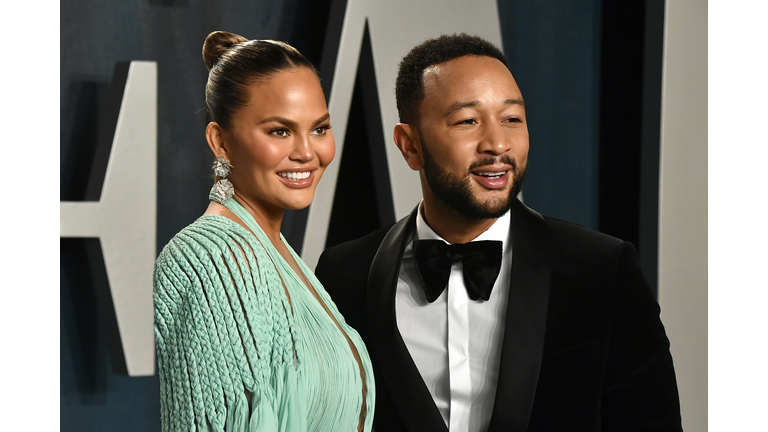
<point x="327" y="152"/>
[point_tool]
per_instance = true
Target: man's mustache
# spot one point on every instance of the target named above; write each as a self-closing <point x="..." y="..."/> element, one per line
<point x="491" y="160"/>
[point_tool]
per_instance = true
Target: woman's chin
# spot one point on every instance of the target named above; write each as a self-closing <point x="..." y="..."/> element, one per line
<point x="298" y="204"/>
<point x="297" y="207"/>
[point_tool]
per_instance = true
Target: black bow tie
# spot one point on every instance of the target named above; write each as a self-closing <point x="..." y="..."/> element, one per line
<point x="481" y="261"/>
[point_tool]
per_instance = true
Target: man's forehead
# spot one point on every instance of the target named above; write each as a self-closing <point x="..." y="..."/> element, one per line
<point x="438" y="68"/>
<point x="462" y="74"/>
<point x="434" y="71"/>
<point x="438" y="72"/>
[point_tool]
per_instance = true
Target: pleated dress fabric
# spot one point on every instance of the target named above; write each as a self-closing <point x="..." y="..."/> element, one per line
<point x="225" y="331"/>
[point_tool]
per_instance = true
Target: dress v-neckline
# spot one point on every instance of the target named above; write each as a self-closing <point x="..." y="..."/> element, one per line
<point x="275" y="256"/>
<point x="253" y="227"/>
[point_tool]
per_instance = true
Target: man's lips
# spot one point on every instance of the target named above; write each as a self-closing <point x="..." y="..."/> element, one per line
<point x="494" y="168"/>
<point x="492" y="177"/>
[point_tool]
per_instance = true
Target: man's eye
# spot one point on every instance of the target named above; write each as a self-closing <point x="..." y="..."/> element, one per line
<point x="467" y="121"/>
<point x="514" y="120"/>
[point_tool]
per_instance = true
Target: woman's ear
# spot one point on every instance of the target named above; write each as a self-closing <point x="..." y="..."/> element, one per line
<point x="214" y="134"/>
<point x="407" y="140"/>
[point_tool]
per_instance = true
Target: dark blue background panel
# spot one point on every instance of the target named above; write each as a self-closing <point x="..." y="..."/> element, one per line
<point x="93" y="396"/>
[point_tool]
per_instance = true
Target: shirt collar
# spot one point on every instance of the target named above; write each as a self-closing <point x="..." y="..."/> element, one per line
<point x="498" y="231"/>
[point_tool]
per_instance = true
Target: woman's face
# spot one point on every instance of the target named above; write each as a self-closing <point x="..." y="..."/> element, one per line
<point x="281" y="142"/>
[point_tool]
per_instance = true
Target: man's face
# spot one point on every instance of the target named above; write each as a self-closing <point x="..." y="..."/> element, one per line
<point x="474" y="136"/>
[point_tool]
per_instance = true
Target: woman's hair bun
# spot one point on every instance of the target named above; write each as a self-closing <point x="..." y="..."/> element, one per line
<point x="216" y="44"/>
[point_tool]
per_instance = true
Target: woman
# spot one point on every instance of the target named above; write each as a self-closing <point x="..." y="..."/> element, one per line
<point x="247" y="338"/>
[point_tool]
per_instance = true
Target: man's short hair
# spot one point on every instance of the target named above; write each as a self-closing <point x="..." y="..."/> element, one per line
<point x="409" y="86"/>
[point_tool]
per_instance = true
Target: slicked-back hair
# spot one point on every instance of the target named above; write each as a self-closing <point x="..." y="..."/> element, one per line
<point x="409" y="86"/>
<point x="234" y="63"/>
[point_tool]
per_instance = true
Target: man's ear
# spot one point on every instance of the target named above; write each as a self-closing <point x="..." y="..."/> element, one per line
<point x="407" y="140"/>
<point x="214" y="134"/>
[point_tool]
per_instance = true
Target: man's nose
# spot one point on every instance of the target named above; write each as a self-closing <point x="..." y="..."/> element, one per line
<point x="494" y="140"/>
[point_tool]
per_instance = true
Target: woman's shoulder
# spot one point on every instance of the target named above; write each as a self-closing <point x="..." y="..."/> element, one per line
<point x="205" y="240"/>
<point x="210" y="232"/>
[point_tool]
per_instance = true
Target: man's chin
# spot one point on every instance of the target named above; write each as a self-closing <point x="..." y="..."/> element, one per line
<point x="488" y="208"/>
<point x="492" y="198"/>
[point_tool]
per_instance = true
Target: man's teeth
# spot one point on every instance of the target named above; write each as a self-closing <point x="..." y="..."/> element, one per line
<point x="294" y="175"/>
<point x="493" y="175"/>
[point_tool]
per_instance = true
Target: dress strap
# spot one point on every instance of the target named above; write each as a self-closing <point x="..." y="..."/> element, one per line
<point x="289" y="277"/>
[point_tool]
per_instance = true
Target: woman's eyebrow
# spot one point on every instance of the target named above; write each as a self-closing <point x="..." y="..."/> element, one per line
<point x="291" y="123"/>
<point x="282" y="120"/>
<point x="322" y="119"/>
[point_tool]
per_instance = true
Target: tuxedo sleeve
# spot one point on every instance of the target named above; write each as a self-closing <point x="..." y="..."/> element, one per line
<point x="321" y="271"/>
<point x="344" y="279"/>
<point x="333" y="273"/>
<point x="640" y="389"/>
<point x="329" y="273"/>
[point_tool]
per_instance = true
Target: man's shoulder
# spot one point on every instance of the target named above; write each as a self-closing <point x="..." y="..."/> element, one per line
<point x="580" y="244"/>
<point x="571" y="231"/>
<point x="362" y="249"/>
<point x="558" y="231"/>
<point x="343" y="271"/>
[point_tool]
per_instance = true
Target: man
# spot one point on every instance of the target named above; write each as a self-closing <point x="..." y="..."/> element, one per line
<point x="523" y="323"/>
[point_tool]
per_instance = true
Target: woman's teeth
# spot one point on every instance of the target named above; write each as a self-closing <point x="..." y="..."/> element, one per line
<point x="294" y="175"/>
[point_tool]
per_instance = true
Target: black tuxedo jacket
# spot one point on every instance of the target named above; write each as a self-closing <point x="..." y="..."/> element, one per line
<point x="583" y="347"/>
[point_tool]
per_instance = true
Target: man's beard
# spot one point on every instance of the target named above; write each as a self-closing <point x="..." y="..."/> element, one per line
<point x="456" y="192"/>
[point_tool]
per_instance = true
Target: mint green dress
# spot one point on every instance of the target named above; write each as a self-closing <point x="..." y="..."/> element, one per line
<point x="233" y="356"/>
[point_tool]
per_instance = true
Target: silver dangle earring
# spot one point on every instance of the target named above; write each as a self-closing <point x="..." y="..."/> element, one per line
<point x="223" y="190"/>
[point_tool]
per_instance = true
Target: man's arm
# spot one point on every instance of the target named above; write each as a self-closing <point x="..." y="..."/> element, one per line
<point x="640" y="389"/>
<point x="344" y="274"/>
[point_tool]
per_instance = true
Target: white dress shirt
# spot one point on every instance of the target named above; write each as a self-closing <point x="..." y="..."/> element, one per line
<point x="455" y="342"/>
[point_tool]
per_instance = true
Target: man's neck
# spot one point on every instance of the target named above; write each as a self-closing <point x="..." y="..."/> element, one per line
<point x="451" y="225"/>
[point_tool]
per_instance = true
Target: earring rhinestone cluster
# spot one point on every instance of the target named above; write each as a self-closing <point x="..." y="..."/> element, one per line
<point x="223" y="190"/>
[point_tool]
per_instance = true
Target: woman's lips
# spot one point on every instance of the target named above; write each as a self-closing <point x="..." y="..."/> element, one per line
<point x="297" y="179"/>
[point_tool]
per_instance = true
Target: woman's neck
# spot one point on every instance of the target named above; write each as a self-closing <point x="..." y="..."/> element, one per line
<point x="269" y="219"/>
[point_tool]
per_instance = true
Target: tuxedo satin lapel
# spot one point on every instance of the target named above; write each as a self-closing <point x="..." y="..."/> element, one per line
<point x="410" y="394"/>
<point x="526" y="321"/>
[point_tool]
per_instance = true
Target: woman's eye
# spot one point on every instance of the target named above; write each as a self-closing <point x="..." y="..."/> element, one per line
<point x="280" y="133"/>
<point x="321" y="130"/>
